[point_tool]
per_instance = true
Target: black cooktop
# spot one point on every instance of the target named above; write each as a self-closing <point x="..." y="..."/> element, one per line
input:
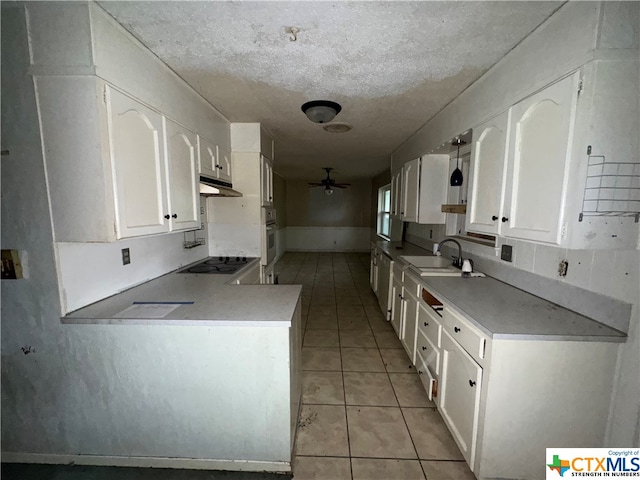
<point x="218" y="265"/>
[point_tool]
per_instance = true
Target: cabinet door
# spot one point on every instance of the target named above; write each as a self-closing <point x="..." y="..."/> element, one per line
<point x="208" y="156"/>
<point x="396" y="308"/>
<point x="411" y="189"/>
<point x="541" y="129"/>
<point x="223" y="165"/>
<point x="409" y="325"/>
<point x="182" y="167"/>
<point x="373" y="271"/>
<point x="434" y="173"/>
<point x="266" y="182"/>
<point x="459" y="399"/>
<point x="138" y="166"/>
<point x="384" y="277"/>
<point x="396" y="194"/>
<point x="487" y="174"/>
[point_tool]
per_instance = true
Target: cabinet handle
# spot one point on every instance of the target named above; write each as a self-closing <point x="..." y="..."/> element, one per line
<point x="456" y="329"/>
<point x="426" y="324"/>
<point x="504" y="219"/>
<point x="494" y="218"/>
<point x="167" y="216"/>
<point x="424" y="348"/>
<point x="420" y="372"/>
<point x="472" y="383"/>
<point x="219" y="166"/>
<point x="175" y="215"/>
<point x="401" y="213"/>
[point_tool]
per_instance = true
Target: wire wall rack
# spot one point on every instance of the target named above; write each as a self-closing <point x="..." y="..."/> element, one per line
<point x="612" y="189"/>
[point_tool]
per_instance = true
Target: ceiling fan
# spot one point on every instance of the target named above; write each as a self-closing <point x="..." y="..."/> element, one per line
<point x="328" y="183"/>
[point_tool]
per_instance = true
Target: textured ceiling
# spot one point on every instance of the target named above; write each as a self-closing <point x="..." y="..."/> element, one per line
<point x="391" y="65"/>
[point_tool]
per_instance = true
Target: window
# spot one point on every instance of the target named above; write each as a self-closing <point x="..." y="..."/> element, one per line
<point x="384" y="211"/>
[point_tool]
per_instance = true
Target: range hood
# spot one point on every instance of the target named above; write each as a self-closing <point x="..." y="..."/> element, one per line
<point x="212" y="187"/>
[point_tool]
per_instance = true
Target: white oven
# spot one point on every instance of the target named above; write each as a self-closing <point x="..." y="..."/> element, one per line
<point x="269" y="232"/>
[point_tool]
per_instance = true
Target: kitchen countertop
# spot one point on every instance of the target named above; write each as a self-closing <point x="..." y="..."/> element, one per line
<point x="209" y="301"/>
<point x="503" y="311"/>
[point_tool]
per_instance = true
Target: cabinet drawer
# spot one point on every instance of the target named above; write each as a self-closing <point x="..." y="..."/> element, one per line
<point x="428" y="379"/>
<point x="429" y="323"/>
<point x="469" y="337"/>
<point x="427" y="353"/>
<point x="411" y="285"/>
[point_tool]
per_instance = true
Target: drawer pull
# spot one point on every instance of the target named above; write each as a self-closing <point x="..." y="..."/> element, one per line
<point x="494" y="218"/>
<point x="504" y="219"/>
<point x="426" y="324"/>
<point x="456" y="329"/>
<point x="424" y="348"/>
<point x="420" y="372"/>
<point x="472" y="383"/>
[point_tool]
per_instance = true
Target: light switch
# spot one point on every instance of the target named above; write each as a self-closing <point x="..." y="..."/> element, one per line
<point x="506" y="253"/>
<point x="126" y="256"/>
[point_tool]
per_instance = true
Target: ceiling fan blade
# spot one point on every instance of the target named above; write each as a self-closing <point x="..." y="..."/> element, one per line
<point x="338" y="185"/>
<point x="316" y="184"/>
<point x="342" y="185"/>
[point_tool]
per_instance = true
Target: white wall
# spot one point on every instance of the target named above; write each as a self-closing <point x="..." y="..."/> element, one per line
<point x="577" y="33"/>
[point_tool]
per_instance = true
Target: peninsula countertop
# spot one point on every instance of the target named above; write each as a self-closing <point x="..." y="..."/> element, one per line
<point x="201" y="300"/>
<point x="503" y="311"/>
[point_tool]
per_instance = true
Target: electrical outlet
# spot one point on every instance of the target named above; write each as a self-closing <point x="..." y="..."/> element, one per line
<point x="563" y="266"/>
<point x="126" y="256"/>
<point x="506" y="253"/>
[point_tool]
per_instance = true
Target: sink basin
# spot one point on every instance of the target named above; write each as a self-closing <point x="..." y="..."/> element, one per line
<point x="428" y="262"/>
<point x="427" y="266"/>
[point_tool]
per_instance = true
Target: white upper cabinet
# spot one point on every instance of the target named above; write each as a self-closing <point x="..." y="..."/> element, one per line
<point x="411" y="190"/>
<point x="223" y="165"/>
<point x="208" y="156"/>
<point x="215" y="161"/>
<point x="397" y="180"/>
<point x="433" y="188"/>
<point x="182" y="166"/>
<point x="266" y="181"/>
<point x="138" y="166"/>
<point x="541" y="131"/>
<point x="487" y="172"/>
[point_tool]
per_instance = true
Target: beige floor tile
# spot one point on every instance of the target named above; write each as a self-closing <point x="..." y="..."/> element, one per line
<point x="361" y="360"/>
<point x="378" y="432"/>
<point x="321" y="468"/>
<point x="353" y="323"/>
<point x="347" y="300"/>
<point x="322" y="431"/>
<point x="317" y="358"/>
<point x="324" y="291"/>
<point x="396" y="360"/>
<point x="321" y="338"/>
<point x="373" y="312"/>
<point x="323" y="300"/>
<point x="409" y="390"/>
<point x="351" y="311"/>
<point x="380" y="325"/>
<point x="385" y="469"/>
<point x="447" y="471"/>
<point x="322" y="322"/>
<point x="369" y="389"/>
<point x="430" y="435"/>
<point x="387" y="339"/>
<point x="369" y="299"/>
<point x="357" y="338"/>
<point x="324" y="388"/>
<point x="322" y="310"/>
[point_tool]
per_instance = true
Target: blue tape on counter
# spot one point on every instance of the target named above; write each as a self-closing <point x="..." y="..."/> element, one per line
<point x="163" y="303"/>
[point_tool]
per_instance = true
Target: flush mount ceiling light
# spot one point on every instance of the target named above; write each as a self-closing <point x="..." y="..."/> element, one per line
<point x="337" y="127"/>
<point x="321" y="111"/>
<point x="328" y="190"/>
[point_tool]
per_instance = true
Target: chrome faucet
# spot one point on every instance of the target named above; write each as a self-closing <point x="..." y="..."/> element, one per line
<point x="457" y="262"/>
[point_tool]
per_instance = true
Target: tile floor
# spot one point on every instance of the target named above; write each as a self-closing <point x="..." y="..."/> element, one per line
<point x="365" y="414"/>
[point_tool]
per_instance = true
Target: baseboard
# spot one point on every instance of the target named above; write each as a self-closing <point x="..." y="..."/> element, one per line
<point x="147" y="462"/>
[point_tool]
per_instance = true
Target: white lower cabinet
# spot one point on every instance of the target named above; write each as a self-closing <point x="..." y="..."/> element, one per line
<point x="397" y="305"/>
<point x="373" y="270"/>
<point x="459" y="396"/>
<point x="408" y="336"/>
<point x="385" y="266"/>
